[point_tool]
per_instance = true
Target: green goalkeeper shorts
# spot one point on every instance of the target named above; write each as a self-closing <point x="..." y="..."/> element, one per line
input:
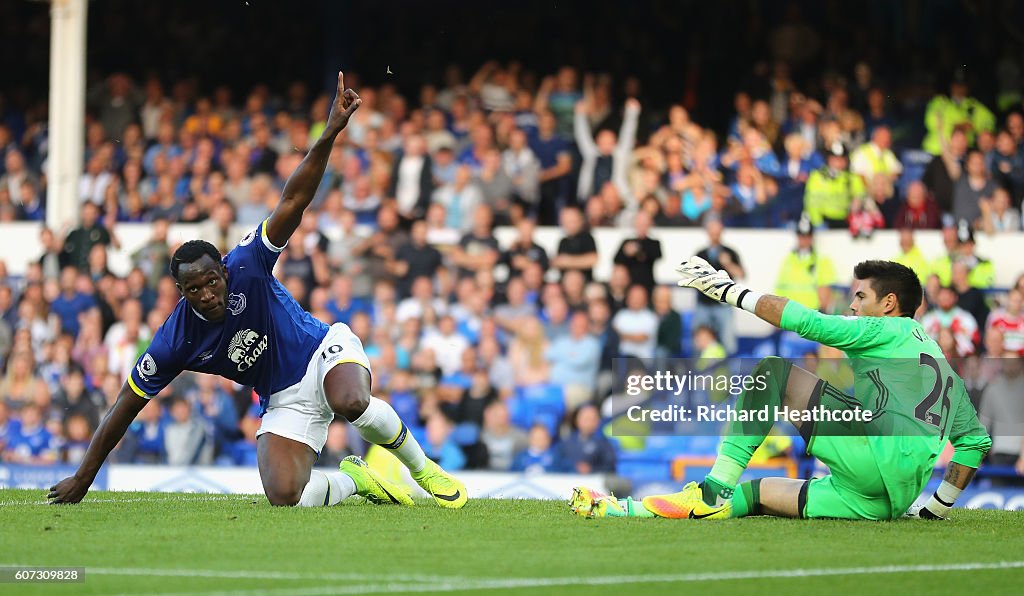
<point x="854" y="489"/>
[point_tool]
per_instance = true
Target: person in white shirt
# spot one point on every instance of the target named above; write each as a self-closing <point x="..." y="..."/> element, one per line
<point x="412" y="179"/>
<point x="92" y="186"/>
<point x="421" y="298"/>
<point x="998" y="215"/>
<point x="523" y="167"/>
<point x="447" y="344"/>
<point x="605" y="160"/>
<point x="636" y="325"/>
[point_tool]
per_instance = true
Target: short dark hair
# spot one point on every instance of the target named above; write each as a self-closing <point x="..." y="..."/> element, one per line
<point x="888" y="277"/>
<point x="190" y="252"/>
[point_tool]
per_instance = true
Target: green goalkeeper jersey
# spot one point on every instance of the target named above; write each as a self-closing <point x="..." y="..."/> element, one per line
<point x="918" y="401"/>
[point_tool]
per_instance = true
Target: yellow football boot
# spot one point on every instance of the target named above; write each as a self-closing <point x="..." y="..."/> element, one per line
<point x="686" y="504"/>
<point x="446" y="489"/>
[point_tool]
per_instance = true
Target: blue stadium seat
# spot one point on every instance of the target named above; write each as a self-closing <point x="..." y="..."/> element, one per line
<point x="465" y="434"/>
<point x="914" y="163"/>
<point x="792" y="346"/>
<point x="537" y="404"/>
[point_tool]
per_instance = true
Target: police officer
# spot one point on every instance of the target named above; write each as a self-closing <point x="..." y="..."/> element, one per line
<point x="806" y="276"/>
<point x="982" y="272"/>
<point x="831" y="190"/>
<point x="944" y="113"/>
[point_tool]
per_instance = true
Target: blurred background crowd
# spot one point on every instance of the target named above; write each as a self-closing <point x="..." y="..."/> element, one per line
<point x="501" y="356"/>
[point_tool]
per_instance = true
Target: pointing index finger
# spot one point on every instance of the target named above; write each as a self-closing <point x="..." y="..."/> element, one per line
<point x="341" y="82"/>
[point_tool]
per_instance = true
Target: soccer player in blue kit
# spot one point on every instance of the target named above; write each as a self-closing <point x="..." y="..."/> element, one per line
<point x="237" y="321"/>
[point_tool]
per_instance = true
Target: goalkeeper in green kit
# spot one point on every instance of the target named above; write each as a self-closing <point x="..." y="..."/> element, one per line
<point x="879" y="465"/>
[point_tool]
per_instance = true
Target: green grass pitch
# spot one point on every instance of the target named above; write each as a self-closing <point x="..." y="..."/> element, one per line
<point x="147" y="543"/>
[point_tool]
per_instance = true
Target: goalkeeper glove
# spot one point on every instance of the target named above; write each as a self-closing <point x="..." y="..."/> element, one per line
<point x="697" y="273"/>
<point x="939" y="504"/>
<point x="922" y="512"/>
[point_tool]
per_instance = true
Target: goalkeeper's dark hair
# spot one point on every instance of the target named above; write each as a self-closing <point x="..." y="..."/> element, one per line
<point x="888" y="277"/>
<point x="190" y="252"/>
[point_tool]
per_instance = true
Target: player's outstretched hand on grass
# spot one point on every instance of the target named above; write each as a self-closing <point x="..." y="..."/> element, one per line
<point x="346" y="102"/>
<point x="68" y="491"/>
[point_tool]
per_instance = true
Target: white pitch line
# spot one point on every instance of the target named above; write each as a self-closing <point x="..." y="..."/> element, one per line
<point x="450" y="584"/>
<point x="170" y="498"/>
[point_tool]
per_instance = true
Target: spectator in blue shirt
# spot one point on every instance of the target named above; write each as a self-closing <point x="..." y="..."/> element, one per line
<point x="217" y="411"/>
<point x="482" y="141"/>
<point x="439" y="445"/>
<point x="71" y="302"/>
<point x="538" y="457"/>
<point x="342" y="304"/>
<point x="555" y="165"/>
<point x="146" y="444"/>
<point x="164" y="145"/>
<point x="33" y="444"/>
<point x="79" y="433"/>
<point x="586" y="451"/>
<point x="575" y="358"/>
<point x="10" y="428"/>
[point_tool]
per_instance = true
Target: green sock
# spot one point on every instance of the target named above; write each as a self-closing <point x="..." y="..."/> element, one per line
<point x="715" y="490"/>
<point x="747" y="499"/>
<point x="743" y="438"/>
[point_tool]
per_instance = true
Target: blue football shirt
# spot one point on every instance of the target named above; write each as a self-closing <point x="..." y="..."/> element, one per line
<point x="265" y="339"/>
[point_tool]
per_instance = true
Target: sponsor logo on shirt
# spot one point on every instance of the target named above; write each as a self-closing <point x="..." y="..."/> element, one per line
<point x="146" y="367"/>
<point x="236" y="303"/>
<point x="245" y="347"/>
<point x="206" y="355"/>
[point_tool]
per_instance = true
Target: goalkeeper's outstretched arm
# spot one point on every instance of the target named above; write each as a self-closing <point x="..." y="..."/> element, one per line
<point x="769" y="308"/>
<point x="838" y="332"/>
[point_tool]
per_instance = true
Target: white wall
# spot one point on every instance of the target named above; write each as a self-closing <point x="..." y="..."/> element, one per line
<point x="760" y="250"/>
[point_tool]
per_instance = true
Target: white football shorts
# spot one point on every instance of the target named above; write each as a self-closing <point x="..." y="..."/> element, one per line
<point x="300" y="412"/>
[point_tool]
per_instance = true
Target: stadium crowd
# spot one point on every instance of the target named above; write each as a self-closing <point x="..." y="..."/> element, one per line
<point x="497" y="357"/>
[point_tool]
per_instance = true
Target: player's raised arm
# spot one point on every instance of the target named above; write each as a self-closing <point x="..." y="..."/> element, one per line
<point x="302" y="184"/>
<point x="113" y="426"/>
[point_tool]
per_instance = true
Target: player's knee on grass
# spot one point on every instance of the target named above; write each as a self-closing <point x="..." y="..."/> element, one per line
<point x="283" y="496"/>
<point x="284" y="468"/>
<point x="284" y="488"/>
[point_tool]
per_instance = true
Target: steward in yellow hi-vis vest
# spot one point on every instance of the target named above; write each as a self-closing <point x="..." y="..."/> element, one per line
<point x="982" y="273"/>
<point x="943" y="114"/>
<point x="911" y="256"/>
<point x="830" y="191"/>
<point x="804" y="271"/>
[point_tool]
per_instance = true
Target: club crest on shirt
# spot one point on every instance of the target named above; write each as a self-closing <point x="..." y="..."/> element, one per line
<point x="146" y="367"/>
<point x="236" y="303"/>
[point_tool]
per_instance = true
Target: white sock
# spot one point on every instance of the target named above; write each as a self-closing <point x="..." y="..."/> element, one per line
<point x="380" y="425"/>
<point x="326" y="488"/>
